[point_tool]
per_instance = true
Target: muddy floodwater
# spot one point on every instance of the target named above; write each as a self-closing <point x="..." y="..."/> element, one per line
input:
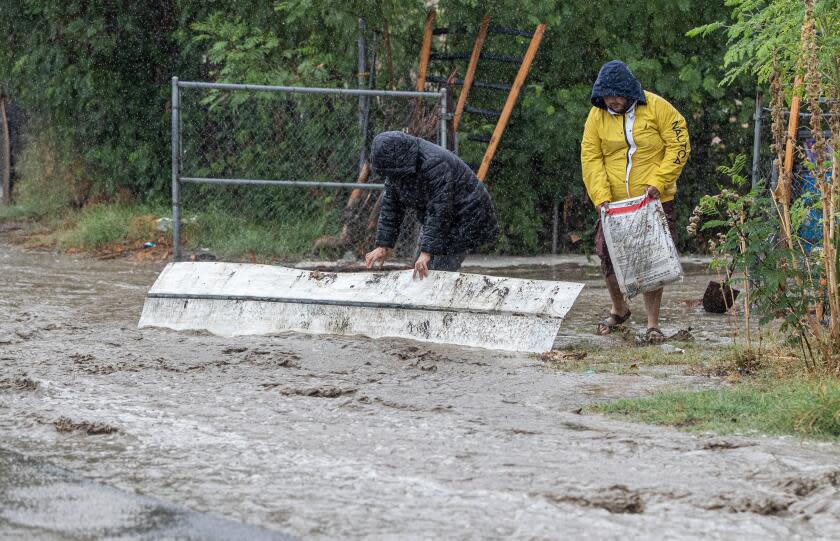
<point x="155" y="434"/>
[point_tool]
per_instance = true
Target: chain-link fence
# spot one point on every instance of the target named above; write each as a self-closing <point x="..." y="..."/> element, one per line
<point x="262" y="173"/>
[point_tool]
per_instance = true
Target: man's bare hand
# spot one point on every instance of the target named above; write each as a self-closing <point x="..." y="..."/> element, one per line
<point x="421" y="266"/>
<point x="378" y="254"/>
<point x="603" y="206"/>
<point x="652" y="192"/>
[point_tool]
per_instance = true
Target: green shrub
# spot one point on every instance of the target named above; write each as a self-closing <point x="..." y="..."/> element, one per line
<point x="229" y="236"/>
<point x="106" y="224"/>
<point x="50" y="179"/>
<point x="806" y="407"/>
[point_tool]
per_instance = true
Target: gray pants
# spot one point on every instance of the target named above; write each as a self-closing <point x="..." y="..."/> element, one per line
<point x="440" y="262"/>
<point x="450" y="262"/>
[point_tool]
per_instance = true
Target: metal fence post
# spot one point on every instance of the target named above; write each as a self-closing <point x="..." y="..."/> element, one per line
<point x="555" y="226"/>
<point x="176" y="188"/>
<point x="362" y="99"/>
<point x="756" y="157"/>
<point x="443" y="114"/>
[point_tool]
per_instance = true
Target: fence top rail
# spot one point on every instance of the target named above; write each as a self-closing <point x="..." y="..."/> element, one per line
<point x="348" y="185"/>
<point x="311" y="90"/>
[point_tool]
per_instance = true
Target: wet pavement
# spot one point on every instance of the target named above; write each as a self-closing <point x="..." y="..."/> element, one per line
<point x="41" y="501"/>
<point x="350" y="438"/>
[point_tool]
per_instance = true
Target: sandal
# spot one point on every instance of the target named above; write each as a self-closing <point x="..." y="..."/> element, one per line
<point x="610" y="323"/>
<point x="650" y="337"/>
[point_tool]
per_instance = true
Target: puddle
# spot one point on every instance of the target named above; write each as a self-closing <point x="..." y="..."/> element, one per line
<point x="680" y="303"/>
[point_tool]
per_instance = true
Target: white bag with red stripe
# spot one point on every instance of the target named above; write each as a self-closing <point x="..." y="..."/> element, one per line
<point x="640" y="245"/>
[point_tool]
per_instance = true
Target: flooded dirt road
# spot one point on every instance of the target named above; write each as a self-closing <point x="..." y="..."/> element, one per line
<point x="351" y="438"/>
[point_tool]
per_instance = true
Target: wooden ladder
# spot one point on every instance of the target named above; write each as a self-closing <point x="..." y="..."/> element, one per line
<point x="468" y="82"/>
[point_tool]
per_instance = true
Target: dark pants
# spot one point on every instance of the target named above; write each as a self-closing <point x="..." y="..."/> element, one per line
<point x="450" y="262"/>
<point x="440" y="262"/>
<point x="601" y="243"/>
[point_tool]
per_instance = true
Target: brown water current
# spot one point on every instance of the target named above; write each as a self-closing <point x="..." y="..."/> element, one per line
<point x="350" y="438"/>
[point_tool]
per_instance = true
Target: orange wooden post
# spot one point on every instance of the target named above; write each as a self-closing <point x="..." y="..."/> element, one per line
<point x="468" y="78"/>
<point x="783" y="185"/>
<point x="793" y="125"/>
<point x="511" y="101"/>
<point x="425" y="50"/>
<point x="364" y="174"/>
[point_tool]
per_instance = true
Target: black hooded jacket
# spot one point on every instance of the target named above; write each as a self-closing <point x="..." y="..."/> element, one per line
<point x="616" y="79"/>
<point x="451" y="203"/>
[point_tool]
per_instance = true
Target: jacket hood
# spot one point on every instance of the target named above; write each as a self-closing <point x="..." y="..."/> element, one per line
<point x="616" y="79"/>
<point x="394" y="154"/>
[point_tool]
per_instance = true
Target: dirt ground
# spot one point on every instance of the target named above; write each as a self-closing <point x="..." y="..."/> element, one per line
<point x="351" y="438"/>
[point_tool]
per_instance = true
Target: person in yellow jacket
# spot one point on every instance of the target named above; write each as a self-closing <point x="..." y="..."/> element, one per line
<point x="634" y="142"/>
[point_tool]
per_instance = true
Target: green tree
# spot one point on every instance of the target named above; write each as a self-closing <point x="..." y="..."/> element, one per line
<point x="539" y="158"/>
<point x="97" y="76"/>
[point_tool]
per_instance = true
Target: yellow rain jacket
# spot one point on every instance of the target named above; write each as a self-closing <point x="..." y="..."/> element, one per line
<point x="621" y="154"/>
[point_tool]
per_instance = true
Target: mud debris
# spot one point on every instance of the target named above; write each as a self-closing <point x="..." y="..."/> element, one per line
<point x="265" y="357"/>
<point x="393" y="404"/>
<point x="417" y="355"/>
<point x="65" y="424"/>
<point x="324" y="391"/>
<point x="805" y="486"/>
<point x="615" y="499"/>
<point x="575" y="426"/>
<point x="364" y="399"/>
<point x="161" y="363"/>
<point x="220" y="363"/>
<point x="723" y="445"/>
<point x="21" y="383"/>
<point x="105" y="369"/>
<point x="524" y="432"/>
<point x="407" y="353"/>
<point x="282" y="360"/>
<point x="326" y="277"/>
<point x="8" y="227"/>
<point x="767" y="505"/>
<point x="375" y="278"/>
<point x="26" y="335"/>
<point x="561" y="356"/>
<point x="682" y="335"/>
<point x="89" y="364"/>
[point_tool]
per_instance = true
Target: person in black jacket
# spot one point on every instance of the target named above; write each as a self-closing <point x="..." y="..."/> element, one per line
<point x="452" y="205"/>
